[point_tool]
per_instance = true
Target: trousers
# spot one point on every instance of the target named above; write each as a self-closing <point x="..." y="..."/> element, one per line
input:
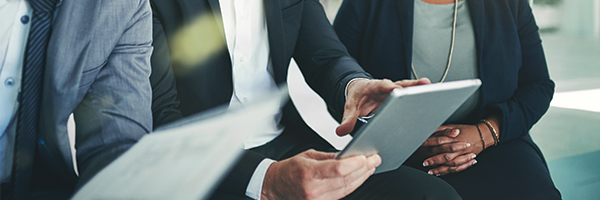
<point x="403" y="183"/>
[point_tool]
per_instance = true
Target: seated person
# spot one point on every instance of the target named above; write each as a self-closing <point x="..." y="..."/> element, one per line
<point x="445" y="40"/>
<point x="63" y="57"/>
<point x="214" y="52"/>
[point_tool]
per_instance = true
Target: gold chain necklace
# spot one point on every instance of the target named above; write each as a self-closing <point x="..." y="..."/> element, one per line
<point x="451" y="46"/>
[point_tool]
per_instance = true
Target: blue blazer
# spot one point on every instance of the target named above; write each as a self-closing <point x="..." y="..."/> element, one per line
<point x="512" y="66"/>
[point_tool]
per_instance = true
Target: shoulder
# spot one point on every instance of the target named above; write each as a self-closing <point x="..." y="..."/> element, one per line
<point x="372" y="8"/>
<point x="105" y="8"/>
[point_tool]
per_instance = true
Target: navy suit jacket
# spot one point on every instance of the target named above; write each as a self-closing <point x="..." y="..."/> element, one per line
<point x="512" y="66"/>
<point x="296" y="28"/>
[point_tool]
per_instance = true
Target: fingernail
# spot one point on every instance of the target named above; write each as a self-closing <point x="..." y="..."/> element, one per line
<point x="438" y="175"/>
<point x="426" y="163"/>
<point x="474" y="162"/>
<point x="430" y="172"/>
<point x="468" y="144"/>
<point x="457" y="131"/>
<point x="474" y="156"/>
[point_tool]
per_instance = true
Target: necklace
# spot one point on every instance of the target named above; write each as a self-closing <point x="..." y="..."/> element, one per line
<point x="451" y="46"/>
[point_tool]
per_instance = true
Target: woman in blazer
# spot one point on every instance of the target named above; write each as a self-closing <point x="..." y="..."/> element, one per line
<point x="485" y="150"/>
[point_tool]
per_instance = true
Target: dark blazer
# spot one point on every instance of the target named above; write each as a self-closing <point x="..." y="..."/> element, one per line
<point x="512" y="66"/>
<point x="297" y="28"/>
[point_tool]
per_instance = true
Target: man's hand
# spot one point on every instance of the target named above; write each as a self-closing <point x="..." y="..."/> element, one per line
<point x="364" y="96"/>
<point x="317" y="175"/>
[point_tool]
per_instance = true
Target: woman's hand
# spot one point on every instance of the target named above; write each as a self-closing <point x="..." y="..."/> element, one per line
<point x="452" y="148"/>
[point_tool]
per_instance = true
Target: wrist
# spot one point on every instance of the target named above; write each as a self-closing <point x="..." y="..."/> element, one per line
<point x="487" y="135"/>
<point x="492" y="131"/>
<point x="270" y="188"/>
<point x="350" y="83"/>
<point x="266" y="167"/>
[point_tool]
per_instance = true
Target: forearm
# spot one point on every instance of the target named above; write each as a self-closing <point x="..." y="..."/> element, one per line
<point x="323" y="59"/>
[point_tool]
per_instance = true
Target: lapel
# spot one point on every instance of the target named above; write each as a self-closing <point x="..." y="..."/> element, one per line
<point x="276" y="39"/>
<point x="406" y="10"/>
<point x="477" y="10"/>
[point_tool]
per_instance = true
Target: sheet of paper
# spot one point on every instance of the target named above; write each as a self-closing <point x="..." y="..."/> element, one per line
<point x="182" y="162"/>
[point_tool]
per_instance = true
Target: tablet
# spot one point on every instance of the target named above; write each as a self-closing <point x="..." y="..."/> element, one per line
<point x="406" y="119"/>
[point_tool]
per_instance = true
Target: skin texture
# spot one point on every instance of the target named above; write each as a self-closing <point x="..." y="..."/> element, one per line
<point x="318" y="175"/>
<point x="453" y="148"/>
<point x="364" y="96"/>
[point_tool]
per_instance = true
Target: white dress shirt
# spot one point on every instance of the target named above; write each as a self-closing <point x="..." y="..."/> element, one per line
<point x="14" y="30"/>
<point x="247" y="39"/>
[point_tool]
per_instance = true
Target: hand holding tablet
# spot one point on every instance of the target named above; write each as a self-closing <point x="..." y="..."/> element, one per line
<point x="406" y="119"/>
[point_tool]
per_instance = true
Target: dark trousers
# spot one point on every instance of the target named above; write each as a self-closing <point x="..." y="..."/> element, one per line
<point x="403" y="183"/>
<point x="511" y="170"/>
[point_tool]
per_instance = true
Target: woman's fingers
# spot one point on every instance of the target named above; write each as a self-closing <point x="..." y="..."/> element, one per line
<point x="440" y="159"/>
<point x="444" y="169"/>
<point x="461" y="160"/>
<point x="449" y="159"/>
<point x="450" y="148"/>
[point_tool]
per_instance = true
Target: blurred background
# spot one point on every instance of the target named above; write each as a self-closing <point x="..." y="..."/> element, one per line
<point x="569" y="133"/>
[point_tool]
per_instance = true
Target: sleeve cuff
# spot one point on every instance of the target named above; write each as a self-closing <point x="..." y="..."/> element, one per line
<point x="254" y="188"/>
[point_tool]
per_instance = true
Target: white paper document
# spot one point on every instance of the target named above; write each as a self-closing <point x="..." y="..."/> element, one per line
<point x="184" y="161"/>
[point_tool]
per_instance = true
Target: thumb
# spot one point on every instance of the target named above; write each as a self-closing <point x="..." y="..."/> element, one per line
<point x="423" y="81"/>
<point x="348" y="122"/>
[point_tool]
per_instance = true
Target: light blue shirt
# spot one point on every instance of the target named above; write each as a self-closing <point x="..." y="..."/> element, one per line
<point x="431" y="46"/>
<point x="14" y="30"/>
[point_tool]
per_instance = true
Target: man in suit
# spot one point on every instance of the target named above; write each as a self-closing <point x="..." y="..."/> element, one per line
<point x="214" y="52"/>
<point x="86" y="57"/>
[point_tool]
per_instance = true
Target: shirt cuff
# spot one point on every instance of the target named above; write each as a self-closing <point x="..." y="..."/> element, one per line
<point x="254" y="188"/>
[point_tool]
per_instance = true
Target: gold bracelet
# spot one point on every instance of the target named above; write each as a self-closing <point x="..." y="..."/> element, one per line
<point x="481" y="136"/>
<point x="492" y="130"/>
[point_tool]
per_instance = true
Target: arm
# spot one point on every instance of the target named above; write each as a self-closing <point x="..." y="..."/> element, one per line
<point x="115" y="112"/>
<point x="512" y="118"/>
<point x="328" y="69"/>
<point x="535" y="89"/>
<point x="323" y="59"/>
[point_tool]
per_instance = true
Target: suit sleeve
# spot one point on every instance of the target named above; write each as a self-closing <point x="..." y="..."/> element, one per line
<point x="165" y="104"/>
<point x="115" y="112"/>
<point x="349" y="25"/>
<point x="323" y="59"/>
<point x="535" y="89"/>
<point x="165" y="107"/>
